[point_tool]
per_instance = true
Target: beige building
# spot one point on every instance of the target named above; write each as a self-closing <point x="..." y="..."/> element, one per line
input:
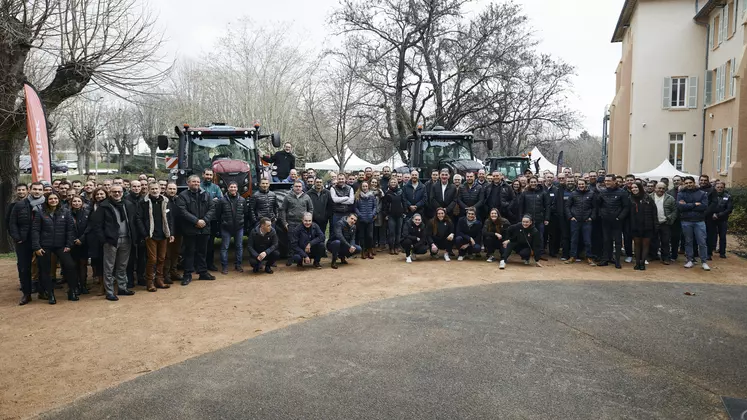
<point x="677" y="90"/>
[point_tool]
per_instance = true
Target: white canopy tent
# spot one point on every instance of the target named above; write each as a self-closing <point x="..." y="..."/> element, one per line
<point x="544" y="164"/>
<point x="351" y="162"/>
<point x="665" y="170"/>
<point x="394" y="161"/>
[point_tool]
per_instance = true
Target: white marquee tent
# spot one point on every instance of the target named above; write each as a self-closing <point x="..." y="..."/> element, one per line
<point x="544" y="164"/>
<point x="665" y="170"/>
<point x="351" y="163"/>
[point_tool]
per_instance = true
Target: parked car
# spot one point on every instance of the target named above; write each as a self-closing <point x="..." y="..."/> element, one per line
<point x="71" y="164"/>
<point x="59" y="167"/>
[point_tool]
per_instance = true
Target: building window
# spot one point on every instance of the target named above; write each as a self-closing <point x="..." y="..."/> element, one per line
<point x="676" y="150"/>
<point x="679" y="91"/>
<point x="716" y="31"/>
<point x="730" y="24"/>
<point x="719" y="149"/>
<point x="729" y="134"/>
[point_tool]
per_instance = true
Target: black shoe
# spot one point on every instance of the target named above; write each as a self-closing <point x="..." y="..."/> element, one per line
<point x="722" y="256"/>
<point x="300" y="264"/>
<point x="42" y="295"/>
<point x="710" y="258"/>
<point x="288" y="263"/>
<point x="317" y="266"/>
<point x="212" y="268"/>
<point x="334" y="265"/>
<point x="83" y="290"/>
<point x="207" y="276"/>
<point x="112" y="298"/>
<point x="52" y="300"/>
<point x="268" y="270"/>
<point x="186" y="279"/>
<point x="126" y="293"/>
<point x="603" y="264"/>
<point x="344" y="261"/>
<point x="643" y="267"/>
<point x="34" y="287"/>
<point x="618" y="266"/>
<point x="255" y="269"/>
<point x="24" y="300"/>
<point x="72" y="296"/>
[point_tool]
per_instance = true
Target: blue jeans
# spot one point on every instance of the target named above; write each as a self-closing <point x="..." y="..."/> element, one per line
<point x="585" y="229"/>
<point x="226" y="241"/>
<point x="394" y="231"/>
<point x="697" y="231"/>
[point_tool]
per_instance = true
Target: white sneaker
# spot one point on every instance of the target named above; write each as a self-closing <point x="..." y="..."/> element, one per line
<point x="446" y="257"/>
<point x="502" y="265"/>
<point x="689" y="264"/>
<point x="706" y="267"/>
<point x="628" y="259"/>
<point x="490" y="259"/>
<point x="646" y="262"/>
<point x="460" y="258"/>
<point x="409" y="260"/>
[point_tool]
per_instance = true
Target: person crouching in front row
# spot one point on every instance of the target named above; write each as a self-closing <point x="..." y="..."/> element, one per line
<point x="441" y="234"/>
<point x="469" y="235"/>
<point x="414" y="238"/>
<point x="524" y="239"/>
<point x="307" y="243"/>
<point x="343" y="244"/>
<point x="262" y="246"/>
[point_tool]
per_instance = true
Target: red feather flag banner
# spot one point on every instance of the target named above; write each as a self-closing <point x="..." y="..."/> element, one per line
<point x="36" y="128"/>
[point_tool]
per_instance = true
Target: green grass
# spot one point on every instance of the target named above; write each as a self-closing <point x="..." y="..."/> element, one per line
<point x="8" y="256"/>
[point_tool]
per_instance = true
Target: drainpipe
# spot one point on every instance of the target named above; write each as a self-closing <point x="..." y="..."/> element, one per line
<point x="702" y="134"/>
<point x="605" y="136"/>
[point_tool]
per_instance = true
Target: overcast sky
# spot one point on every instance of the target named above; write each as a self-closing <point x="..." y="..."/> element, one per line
<point x="578" y="31"/>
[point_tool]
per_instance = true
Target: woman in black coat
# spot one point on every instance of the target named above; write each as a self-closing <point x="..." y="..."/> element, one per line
<point x="92" y="237"/>
<point x="79" y="252"/>
<point x="493" y="232"/>
<point x="52" y="234"/>
<point x="414" y="237"/>
<point x="643" y="221"/>
<point x="440" y="234"/>
<point x="524" y="239"/>
<point x="514" y="213"/>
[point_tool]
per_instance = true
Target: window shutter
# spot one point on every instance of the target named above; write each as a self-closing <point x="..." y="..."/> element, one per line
<point x="708" y="87"/>
<point x="726" y="22"/>
<point x="718" y="150"/>
<point x="722" y="31"/>
<point x="712" y="33"/>
<point x="717" y="98"/>
<point x="692" y="88"/>
<point x="722" y="82"/>
<point x="729" y="134"/>
<point x="666" y="93"/>
<point x="733" y="81"/>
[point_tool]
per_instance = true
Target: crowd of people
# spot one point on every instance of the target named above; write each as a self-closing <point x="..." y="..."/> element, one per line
<point x="140" y="231"/>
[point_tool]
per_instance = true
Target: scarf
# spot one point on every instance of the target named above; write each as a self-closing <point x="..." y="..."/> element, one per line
<point x="469" y="224"/>
<point x="366" y="194"/>
<point x="119" y="205"/>
<point x="35" y="202"/>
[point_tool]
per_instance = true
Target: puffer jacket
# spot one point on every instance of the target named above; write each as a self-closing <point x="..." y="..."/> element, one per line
<point x="443" y="229"/>
<point x="415" y="196"/>
<point x="581" y="206"/>
<point x="259" y="243"/>
<point x="322" y="204"/>
<point x="303" y="236"/>
<point x="416" y="234"/>
<point x="294" y="206"/>
<point x="20" y="220"/>
<point x="345" y="233"/>
<point x="613" y="204"/>
<point x="670" y="208"/>
<point x="535" y="203"/>
<point x="263" y="204"/>
<point x="343" y="198"/>
<point x="470" y="197"/>
<point x="469" y="232"/>
<point x="80" y="223"/>
<point x="524" y="238"/>
<point x="723" y="205"/>
<point x="365" y="207"/>
<point x="394" y="203"/>
<point x="54" y="230"/>
<point x="643" y="219"/>
<point x="498" y="196"/>
<point x="689" y="212"/>
<point x="231" y="211"/>
<point x="194" y="206"/>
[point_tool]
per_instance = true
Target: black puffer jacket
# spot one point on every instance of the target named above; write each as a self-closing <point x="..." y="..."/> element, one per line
<point x="322" y="205"/>
<point x="723" y="205"/>
<point x="259" y="243"/>
<point x="54" y="230"/>
<point x="194" y="206"/>
<point x="470" y="197"/>
<point x="536" y="204"/>
<point x="80" y="223"/>
<point x="613" y="204"/>
<point x="345" y="233"/>
<point x="443" y="229"/>
<point x="393" y="204"/>
<point x="416" y="234"/>
<point x="469" y="232"/>
<point x="523" y="238"/>
<point x="263" y="204"/>
<point x="581" y="205"/>
<point x="231" y="211"/>
<point x="643" y="217"/>
<point x="20" y="220"/>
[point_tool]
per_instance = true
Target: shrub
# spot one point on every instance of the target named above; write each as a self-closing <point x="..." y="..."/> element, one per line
<point x="738" y="218"/>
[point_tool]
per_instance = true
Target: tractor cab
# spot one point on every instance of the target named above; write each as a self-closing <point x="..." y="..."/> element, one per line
<point x="440" y="149"/>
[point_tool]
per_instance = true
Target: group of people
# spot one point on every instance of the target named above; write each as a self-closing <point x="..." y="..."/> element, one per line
<point x="136" y="232"/>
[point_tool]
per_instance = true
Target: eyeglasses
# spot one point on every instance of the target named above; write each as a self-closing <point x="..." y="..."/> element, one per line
<point x="116" y="192"/>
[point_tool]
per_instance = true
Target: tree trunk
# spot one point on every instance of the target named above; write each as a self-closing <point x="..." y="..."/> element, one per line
<point x="153" y="159"/>
<point x="8" y="181"/>
<point x="88" y="163"/>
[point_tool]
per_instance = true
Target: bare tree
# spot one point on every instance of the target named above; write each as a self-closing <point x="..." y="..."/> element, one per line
<point x="82" y="118"/>
<point x="64" y="46"/>
<point x="151" y="122"/>
<point x="121" y="132"/>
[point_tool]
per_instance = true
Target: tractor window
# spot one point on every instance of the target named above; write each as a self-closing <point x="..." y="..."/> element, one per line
<point x="511" y="169"/>
<point x="206" y="150"/>
<point x="434" y="151"/>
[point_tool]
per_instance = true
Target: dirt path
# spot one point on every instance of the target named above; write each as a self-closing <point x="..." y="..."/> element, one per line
<point x="51" y="355"/>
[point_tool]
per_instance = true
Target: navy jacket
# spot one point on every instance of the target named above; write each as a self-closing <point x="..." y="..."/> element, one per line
<point x="689" y="212"/>
<point x="303" y="236"/>
<point x="415" y="196"/>
<point x="469" y="232"/>
<point x="365" y="208"/>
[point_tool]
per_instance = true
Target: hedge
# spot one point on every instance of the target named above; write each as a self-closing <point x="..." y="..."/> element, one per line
<point x="738" y="219"/>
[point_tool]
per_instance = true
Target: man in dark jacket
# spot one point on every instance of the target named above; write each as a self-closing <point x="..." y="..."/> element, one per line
<point x="343" y="245"/>
<point x="263" y="203"/>
<point x="534" y="202"/>
<point x="666" y="213"/>
<point x="19" y="228"/>
<point x="119" y="229"/>
<point x="157" y="223"/>
<point x="429" y="212"/>
<point x="263" y="245"/>
<point x="138" y="254"/>
<point x="720" y="209"/>
<point x="174" y="249"/>
<point x="414" y="194"/>
<point x="322" y="203"/>
<point x="580" y="210"/>
<point x="196" y="210"/>
<point x="470" y="195"/>
<point x="443" y="194"/>
<point x="468" y="238"/>
<point x="343" y="200"/>
<point x="555" y="227"/>
<point x="284" y="161"/>
<point x="308" y="243"/>
<point x="498" y="195"/>
<point x="692" y="204"/>
<point x="231" y="211"/>
<point x="612" y="206"/>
